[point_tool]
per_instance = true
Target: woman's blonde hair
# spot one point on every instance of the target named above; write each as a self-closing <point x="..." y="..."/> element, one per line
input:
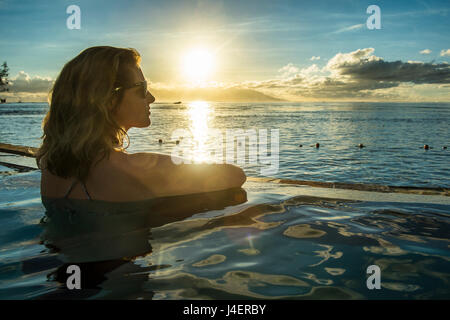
<point x="79" y="126"/>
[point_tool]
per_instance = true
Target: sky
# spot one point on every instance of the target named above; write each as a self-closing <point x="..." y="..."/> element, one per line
<point x="252" y="50"/>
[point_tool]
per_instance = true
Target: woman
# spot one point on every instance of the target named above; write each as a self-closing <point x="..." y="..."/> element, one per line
<point x="97" y="97"/>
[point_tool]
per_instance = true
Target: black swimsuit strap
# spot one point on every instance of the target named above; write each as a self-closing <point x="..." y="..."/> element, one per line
<point x="70" y="189"/>
<point x="84" y="188"/>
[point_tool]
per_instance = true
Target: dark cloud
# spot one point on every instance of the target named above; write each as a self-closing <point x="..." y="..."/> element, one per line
<point x="357" y="74"/>
<point x="397" y="71"/>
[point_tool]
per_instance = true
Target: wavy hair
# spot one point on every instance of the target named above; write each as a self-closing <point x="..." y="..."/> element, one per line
<point x="79" y="126"/>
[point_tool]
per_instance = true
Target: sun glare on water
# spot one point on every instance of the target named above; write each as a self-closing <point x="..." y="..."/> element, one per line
<point x="199" y="113"/>
<point x="197" y="65"/>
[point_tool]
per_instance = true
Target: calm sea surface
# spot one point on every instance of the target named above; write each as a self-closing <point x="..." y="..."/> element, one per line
<point x="264" y="241"/>
<point x="394" y="136"/>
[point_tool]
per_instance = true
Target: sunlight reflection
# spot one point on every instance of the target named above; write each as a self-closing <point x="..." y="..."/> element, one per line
<point x="199" y="113"/>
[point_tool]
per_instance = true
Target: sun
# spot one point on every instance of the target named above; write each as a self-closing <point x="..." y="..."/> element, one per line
<point x="198" y="64"/>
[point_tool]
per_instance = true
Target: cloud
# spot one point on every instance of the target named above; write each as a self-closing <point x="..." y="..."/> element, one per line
<point x="288" y="70"/>
<point x="362" y="65"/>
<point x="445" y="53"/>
<point x="351" y="28"/>
<point x="24" y="83"/>
<point x="357" y="75"/>
<point x="314" y="58"/>
<point x="426" y="51"/>
<point x="353" y="58"/>
<point x="361" y="75"/>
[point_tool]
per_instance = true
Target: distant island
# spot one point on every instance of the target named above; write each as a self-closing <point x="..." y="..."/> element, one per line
<point x="212" y="94"/>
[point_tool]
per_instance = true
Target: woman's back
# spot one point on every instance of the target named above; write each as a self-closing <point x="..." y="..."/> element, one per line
<point x="140" y="176"/>
<point x="111" y="179"/>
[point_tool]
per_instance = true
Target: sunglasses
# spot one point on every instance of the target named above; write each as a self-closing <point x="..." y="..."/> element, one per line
<point x="142" y="85"/>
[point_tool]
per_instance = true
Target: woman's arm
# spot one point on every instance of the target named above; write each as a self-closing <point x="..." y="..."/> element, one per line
<point x="163" y="177"/>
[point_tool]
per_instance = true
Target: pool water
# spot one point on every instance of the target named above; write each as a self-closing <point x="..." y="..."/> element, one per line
<point x="263" y="241"/>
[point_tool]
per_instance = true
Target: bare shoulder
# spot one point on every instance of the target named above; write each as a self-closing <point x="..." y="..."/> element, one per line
<point x="148" y="161"/>
<point x="149" y="168"/>
<point x="164" y="175"/>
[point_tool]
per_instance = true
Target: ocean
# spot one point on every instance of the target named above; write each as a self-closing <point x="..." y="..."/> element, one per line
<point x="393" y="135"/>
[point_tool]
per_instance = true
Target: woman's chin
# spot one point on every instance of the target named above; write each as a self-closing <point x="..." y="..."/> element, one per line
<point x="143" y="123"/>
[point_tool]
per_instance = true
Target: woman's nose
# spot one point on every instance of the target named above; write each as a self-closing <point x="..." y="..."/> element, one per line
<point x="150" y="97"/>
